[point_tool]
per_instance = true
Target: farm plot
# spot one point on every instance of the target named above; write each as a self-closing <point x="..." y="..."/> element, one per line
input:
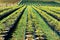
<point x="30" y="22"/>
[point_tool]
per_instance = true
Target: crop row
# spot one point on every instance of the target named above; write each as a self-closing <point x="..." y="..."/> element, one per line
<point x="29" y="23"/>
<point x="8" y="12"/>
<point x="48" y="11"/>
<point x="50" y="20"/>
<point x="38" y="32"/>
<point x="45" y="28"/>
<point x="29" y="28"/>
<point x="19" y="32"/>
<point x="9" y="21"/>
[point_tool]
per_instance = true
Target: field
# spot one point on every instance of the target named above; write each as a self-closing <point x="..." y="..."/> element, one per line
<point x="30" y="21"/>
